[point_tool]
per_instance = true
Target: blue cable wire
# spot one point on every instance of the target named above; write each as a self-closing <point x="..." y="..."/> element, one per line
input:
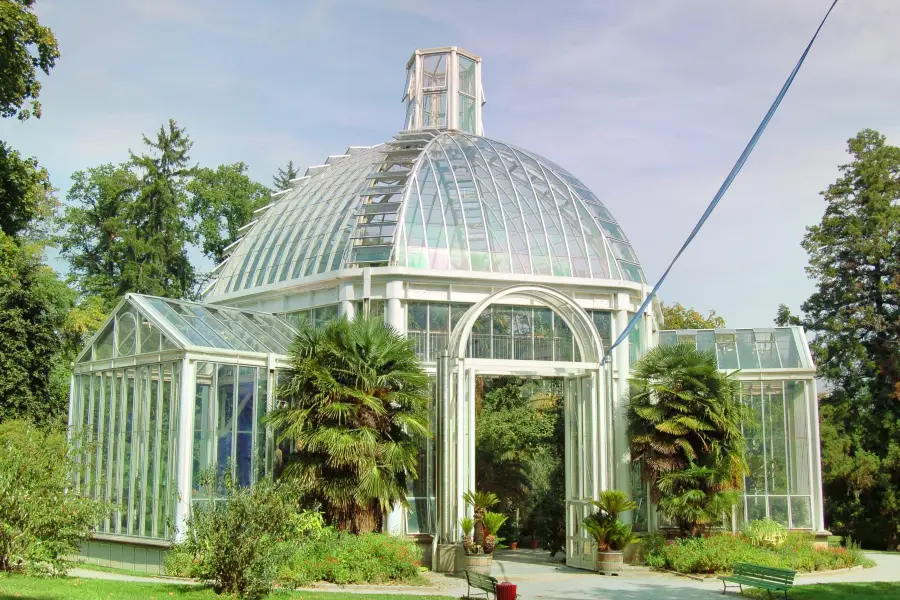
<point x="724" y="188"/>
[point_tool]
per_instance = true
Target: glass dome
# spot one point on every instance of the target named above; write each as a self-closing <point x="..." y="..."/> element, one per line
<point x="438" y="200"/>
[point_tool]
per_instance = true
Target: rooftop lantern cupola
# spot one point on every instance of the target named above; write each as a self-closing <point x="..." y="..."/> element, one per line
<point x="443" y="90"/>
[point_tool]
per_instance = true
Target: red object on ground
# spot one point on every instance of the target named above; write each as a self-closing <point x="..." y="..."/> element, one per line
<point x="506" y="591"/>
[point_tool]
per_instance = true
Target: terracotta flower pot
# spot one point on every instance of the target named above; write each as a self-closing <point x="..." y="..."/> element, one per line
<point x="514" y="545"/>
<point x="535" y="543"/>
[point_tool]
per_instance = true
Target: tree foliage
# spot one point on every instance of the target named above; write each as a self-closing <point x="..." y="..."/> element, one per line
<point x="785" y="318"/>
<point x="128" y="227"/>
<point x="676" y="316"/>
<point x="684" y="421"/>
<point x="223" y="200"/>
<point x="356" y="421"/>
<point x="282" y="179"/>
<point x="26" y="47"/>
<point x="42" y="519"/>
<point x="854" y="258"/>
<point x="157" y="260"/>
<point x="26" y="196"/>
<point x="34" y="306"/>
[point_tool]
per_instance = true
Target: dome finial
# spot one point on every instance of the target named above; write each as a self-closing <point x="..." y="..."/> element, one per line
<point x="443" y="90"/>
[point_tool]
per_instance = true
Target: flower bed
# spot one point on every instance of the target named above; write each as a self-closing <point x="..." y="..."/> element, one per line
<point x="717" y="553"/>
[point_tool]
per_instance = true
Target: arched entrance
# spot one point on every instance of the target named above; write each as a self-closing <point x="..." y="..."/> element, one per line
<point x="587" y="421"/>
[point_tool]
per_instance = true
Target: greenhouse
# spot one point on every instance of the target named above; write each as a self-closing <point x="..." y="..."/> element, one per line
<point x="492" y="260"/>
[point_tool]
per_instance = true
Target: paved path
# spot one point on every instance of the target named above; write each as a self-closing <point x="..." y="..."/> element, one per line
<point x="539" y="578"/>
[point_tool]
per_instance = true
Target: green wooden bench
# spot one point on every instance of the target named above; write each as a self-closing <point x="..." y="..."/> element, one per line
<point x="766" y="578"/>
<point x="485" y="583"/>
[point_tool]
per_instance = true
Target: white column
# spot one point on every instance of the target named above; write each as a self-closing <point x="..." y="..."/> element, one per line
<point x="185" y="446"/>
<point x="396" y="318"/>
<point x="620" y="453"/>
<point x="818" y="504"/>
<point x="470" y="482"/>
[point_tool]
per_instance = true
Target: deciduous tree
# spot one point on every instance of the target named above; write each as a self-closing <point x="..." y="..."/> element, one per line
<point x="26" y="47"/>
<point x="223" y="200"/>
<point x="677" y="316"/>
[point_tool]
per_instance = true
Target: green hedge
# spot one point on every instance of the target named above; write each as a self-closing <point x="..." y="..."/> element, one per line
<point x="718" y="553"/>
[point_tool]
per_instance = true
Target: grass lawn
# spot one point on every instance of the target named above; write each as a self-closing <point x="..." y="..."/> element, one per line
<point x="32" y="588"/>
<point x="834" y="591"/>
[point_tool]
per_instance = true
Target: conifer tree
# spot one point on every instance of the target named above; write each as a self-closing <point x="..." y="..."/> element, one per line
<point x="282" y="179"/>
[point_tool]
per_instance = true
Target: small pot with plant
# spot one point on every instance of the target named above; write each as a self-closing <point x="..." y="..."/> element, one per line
<point x="610" y="534"/>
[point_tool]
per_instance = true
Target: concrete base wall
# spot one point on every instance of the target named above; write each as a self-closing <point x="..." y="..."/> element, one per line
<point x="124" y="555"/>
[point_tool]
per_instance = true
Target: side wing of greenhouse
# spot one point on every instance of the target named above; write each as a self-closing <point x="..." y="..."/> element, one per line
<point x="165" y="391"/>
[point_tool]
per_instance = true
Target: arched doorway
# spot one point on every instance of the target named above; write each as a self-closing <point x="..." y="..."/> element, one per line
<point x="587" y="421"/>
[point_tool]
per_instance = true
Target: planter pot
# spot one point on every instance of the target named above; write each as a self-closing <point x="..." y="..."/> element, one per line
<point x="514" y="545"/>
<point x="535" y="544"/>
<point x="479" y="563"/>
<point x="610" y="562"/>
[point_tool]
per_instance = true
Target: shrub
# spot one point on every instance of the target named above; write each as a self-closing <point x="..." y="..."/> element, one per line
<point x="344" y="558"/>
<point x="42" y="519"/>
<point x="719" y="552"/>
<point x="238" y="543"/>
<point x="765" y="533"/>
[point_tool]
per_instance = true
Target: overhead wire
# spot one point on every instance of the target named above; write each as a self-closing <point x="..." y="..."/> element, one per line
<point x="723" y="188"/>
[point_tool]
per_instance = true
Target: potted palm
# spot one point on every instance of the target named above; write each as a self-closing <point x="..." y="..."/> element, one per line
<point x="480" y="503"/>
<point x="479" y="556"/>
<point x="610" y="534"/>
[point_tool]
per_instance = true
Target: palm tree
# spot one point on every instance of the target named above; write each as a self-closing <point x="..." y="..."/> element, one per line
<point x="480" y="502"/>
<point x="356" y="420"/>
<point x="684" y="423"/>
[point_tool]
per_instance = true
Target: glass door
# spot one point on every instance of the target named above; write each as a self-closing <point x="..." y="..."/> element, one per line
<point x="582" y="439"/>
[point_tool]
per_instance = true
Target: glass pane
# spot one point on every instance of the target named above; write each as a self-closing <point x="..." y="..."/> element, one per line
<point x="467" y="113"/>
<point x="798" y="438"/>
<point x="127" y="325"/>
<point x="203" y="424"/>
<point x="149" y="335"/>
<point x="260" y="455"/>
<point x="778" y="510"/>
<point x="323" y="314"/>
<point x="631" y="272"/>
<point x="635" y="340"/>
<point x="801" y="516"/>
<point x="467" y="75"/>
<point x="501" y="318"/>
<point x="244" y="455"/>
<point x="776" y="446"/>
<point x="224" y="416"/>
<point x="163" y="425"/>
<point x="726" y="351"/>
<point x="434" y="71"/>
<point x="747" y="349"/>
<point x="523" y="334"/>
<point x="756" y="508"/>
<point x="439" y="318"/>
<point x="434" y="109"/>
<point x="790" y="357"/>
<point x="565" y="342"/>
<point x="706" y="341"/>
<point x="113" y="381"/>
<point x="132" y="412"/>
<point x="103" y="347"/>
<point x="151" y="462"/>
<point x="751" y="396"/>
<point x="544" y="339"/>
<point x="668" y="338"/>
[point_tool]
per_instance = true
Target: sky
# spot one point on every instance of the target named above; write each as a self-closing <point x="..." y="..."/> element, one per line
<point x="649" y="102"/>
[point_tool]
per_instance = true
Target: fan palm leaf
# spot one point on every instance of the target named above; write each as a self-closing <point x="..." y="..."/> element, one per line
<point x="356" y="414"/>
